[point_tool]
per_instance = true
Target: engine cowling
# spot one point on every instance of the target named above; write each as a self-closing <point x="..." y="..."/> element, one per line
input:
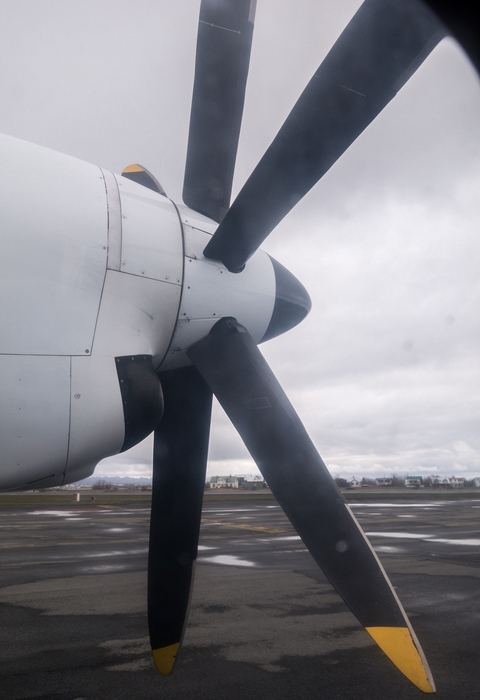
<point x="91" y="271"/>
<point x="104" y="286"/>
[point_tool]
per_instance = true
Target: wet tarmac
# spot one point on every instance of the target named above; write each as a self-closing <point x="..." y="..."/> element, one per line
<point x="264" y="621"/>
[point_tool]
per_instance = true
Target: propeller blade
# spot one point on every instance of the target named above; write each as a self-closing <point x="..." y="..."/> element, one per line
<point x="463" y="21"/>
<point x="223" y="55"/>
<point x="142" y="176"/>
<point x="240" y="378"/>
<point x="377" y="53"/>
<point x="179" y="465"/>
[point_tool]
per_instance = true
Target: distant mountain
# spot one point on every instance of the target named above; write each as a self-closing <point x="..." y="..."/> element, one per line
<point x="117" y="480"/>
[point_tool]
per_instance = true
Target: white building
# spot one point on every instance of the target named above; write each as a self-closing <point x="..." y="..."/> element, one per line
<point x="224" y="482"/>
<point x="440" y="481"/>
<point x="383" y="481"/>
<point x="413" y="482"/>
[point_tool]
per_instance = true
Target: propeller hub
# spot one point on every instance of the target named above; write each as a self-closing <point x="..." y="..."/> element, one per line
<point x="292" y="302"/>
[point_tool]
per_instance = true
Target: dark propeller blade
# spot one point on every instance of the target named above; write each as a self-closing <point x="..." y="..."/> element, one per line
<point x="223" y="54"/>
<point x="142" y="176"/>
<point x="463" y="20"/>
<point x="244" y="384"/>
<point x="379" y="50"/>
<point x="179" y="464"/>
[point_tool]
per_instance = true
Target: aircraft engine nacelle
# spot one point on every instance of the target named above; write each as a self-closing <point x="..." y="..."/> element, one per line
<point x="91" y="285"/>
<point x="105" y="286"/>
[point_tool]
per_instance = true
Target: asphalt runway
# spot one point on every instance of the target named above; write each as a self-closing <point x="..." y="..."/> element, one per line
<point x="264" y="622"/>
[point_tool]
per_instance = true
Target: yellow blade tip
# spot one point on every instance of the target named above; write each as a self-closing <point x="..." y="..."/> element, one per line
<point x="398" y="645"/>
<point x="134" y="168"/>
<point x="165" y="658"/>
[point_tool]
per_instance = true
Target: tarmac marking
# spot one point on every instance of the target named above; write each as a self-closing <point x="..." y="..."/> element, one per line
<point x="227" y="560"/>
<point x="425" y="504"/>
<point x="400" y="535"/>
<point x="281" y="539"/>
<point x="467" y="542"/>
<point x="241" y="526"/>
<point x="104" y="568"/>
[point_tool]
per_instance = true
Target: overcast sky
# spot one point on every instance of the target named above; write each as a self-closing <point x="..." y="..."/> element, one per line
<point x="385" y="370"/>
